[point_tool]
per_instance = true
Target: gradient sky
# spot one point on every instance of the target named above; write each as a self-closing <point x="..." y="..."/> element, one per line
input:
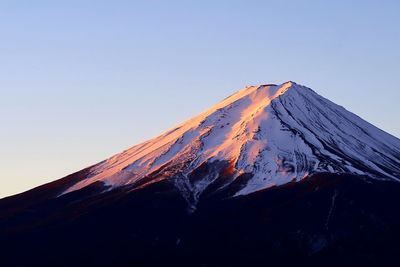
<point x="82" y="80"/>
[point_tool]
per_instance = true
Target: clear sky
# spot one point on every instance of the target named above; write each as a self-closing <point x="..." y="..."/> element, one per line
<point x="82" y="80"/>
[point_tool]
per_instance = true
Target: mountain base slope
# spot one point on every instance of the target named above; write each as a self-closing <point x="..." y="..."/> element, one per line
<point x="325" y="218"/>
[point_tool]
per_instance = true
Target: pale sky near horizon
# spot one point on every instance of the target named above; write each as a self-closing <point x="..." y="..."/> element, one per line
<point x="83" y="80"/>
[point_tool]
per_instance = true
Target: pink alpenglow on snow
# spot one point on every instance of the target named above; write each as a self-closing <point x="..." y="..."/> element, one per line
<point x="275" y="133"/>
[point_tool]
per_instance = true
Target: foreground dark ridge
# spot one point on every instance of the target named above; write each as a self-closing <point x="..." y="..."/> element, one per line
<point x="327" y="217"/>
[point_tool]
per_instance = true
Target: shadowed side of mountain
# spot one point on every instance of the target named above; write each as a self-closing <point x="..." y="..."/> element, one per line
<point x="341" y="219"/>
<point x="41" y="193"/>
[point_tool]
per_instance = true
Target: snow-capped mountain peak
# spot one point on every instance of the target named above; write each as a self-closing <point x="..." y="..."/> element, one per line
<point x="260" y="137"/>
<point x="274" y="174"/>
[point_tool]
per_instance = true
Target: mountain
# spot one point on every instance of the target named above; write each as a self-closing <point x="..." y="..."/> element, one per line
<point x="273" y="174"/>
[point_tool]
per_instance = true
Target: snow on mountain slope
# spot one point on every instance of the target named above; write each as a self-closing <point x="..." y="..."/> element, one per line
<point x="275" y="134"/>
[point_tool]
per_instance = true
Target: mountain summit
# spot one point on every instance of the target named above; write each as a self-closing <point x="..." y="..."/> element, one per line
<point x="273" y="174"/>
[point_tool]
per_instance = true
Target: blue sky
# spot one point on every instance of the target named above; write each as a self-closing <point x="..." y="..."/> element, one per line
<point x="82" y="80"/>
